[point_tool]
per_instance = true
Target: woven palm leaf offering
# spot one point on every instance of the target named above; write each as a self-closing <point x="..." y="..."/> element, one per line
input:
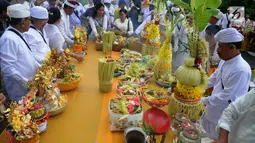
<point x="137" y="73"/>
<point x="191" y="78"/>
<point x="125" y="112"/>
<point x="128" y="56"/>
<point x="119" y="43"/>
<point x="106" y="67"/>
<point x="46" y="73"/>
<point x="151" y="39"/>
<point x="80" y="40"/>
<point x="162" y="70"/>
<point x="108" y="39"/>
<point x="128" y="88"/>
<point x="156" y="97"/>
<point x="119" y="68"/>
<point x="25" y="119"/>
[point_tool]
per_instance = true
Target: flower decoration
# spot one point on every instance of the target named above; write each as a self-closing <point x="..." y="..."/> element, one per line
<point x="189" y="91"/>
<point x="126" y="105"/>
<point x="20" y="123"/>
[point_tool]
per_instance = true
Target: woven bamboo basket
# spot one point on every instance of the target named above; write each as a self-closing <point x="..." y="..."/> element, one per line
<point x="99" y="46"/>
<point x="66" y="86"/>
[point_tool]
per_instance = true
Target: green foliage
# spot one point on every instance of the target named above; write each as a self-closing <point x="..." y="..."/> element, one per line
<point x="213" y="3"/>
<point x="201" y="10"/>
<point x="201" y="18"/>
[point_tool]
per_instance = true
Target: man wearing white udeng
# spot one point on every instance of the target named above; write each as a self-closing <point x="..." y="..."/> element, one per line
<point x="230" y="80"/>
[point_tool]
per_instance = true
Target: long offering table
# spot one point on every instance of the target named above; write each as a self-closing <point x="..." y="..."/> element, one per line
<point x="85" y="119"/>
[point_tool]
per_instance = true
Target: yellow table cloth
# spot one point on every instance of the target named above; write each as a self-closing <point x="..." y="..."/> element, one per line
<point x="85" y="119"/>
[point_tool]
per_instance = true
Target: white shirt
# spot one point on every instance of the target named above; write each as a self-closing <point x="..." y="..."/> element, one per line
<point x="180" y="37"/>
<point x="125" y="26"/>
<point x="56" y="40"/>
<point x="64" y="27"/>
<point x="148" y="19"/>
<point x="109" y="13"/>
<point x="239" y="119"/>
<point x="230" y="81"/>
<point x="75" y="19"/>
<point x="17" y="64"/>
<point x="37" y="44"/>
<point x="224" y="20"/>
<point x="93" y="22"/>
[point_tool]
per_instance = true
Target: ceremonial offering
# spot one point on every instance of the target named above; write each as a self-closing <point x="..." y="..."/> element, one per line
<point x="156" y="98"/>
<point x="68" y="78"/>
<point x="106" y="67"/>
<point x="128" y="88"/>
<point x="108" y="38"/>
<point x="21" y="127"/>
<point x="125" y="112"/>
<point x="99" y="45"/>
<point x="165" y="80"/>
<point x="137" y="72"/>
<point x="134" y="44"/>
<point x="192" y="80"/>
<point x="80" y="39"/>
<point x="55" y="102"/>
<point x="119" y="43"/>
<point x="163" y="68"/>
<point x="189" y="136"/>
<point x="119" y="69"/>
<point x="177" y="123"/>
<point x="128" y="56"/>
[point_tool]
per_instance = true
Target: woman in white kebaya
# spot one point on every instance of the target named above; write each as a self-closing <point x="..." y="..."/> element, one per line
<point x="56" y="40"/>
<point x="123" y="26"/>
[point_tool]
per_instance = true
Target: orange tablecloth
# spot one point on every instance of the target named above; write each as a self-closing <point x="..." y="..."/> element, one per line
<point x="85" y="119"/>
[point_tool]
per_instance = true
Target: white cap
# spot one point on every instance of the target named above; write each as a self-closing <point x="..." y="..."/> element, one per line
<point x="175" y="9"/>
<point x="39" y="12"/>
<point x="230" y="8"/>
<point x="107" y="1"/>
<point x="72" y="3"/>
<point x="229" y="35"/>
<point x="18" y="11"/>
<point x="219" y="15"/>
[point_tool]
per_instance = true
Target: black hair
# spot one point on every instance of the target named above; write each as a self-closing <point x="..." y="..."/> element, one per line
<point x="15" y="21"/>
<point x="96" y="8"/>
<point x="212" y="29"/>
<point x="123" y="10"/>
<point x="237" y="45"/>
<point x="54" y="15"/>
<point x="66" y="6"/>
<point x="3" y="5"/>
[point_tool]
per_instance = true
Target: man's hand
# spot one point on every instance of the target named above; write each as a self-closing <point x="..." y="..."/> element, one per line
<point x="79" y="58"/>
<point x="2" y="98"/>
<point x="223" y="136"/>
<point x="124" y="34"/>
